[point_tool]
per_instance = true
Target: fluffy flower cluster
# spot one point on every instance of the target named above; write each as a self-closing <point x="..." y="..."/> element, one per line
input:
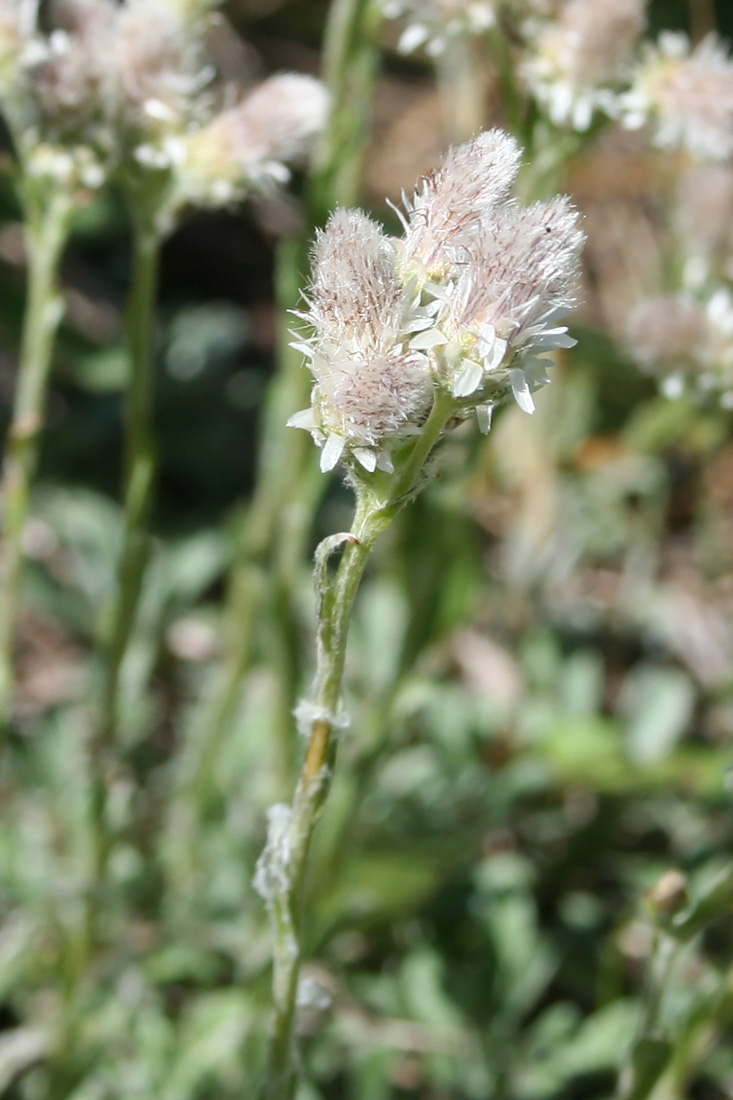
<point x="686" y="344"/>
<point x="467" y="302"/>
<point x="578" y="60"/>
<point x="687" y="94"/>
<point x="132" y="83"/>
<point x="432" y="23"/>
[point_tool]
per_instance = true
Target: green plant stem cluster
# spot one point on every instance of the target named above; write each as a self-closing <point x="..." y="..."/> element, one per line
<point x="48" y="222"/>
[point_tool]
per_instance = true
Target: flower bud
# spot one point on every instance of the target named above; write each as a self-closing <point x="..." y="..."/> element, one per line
<point x="514" y="283"/>
<point x="372" y="389"/>
<point x="668" y="896"/>
<point x="450" y="204"/>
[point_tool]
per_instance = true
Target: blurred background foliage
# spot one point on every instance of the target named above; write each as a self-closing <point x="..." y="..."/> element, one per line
<point x="540" y="678"/>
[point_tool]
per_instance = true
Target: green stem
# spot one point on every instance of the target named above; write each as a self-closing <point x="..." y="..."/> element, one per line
<point x="379" y="499"/>
<point x="47" y="232"/>
<point x="118" y="624"/>
<point x="651" y="1050"/>
<point x="309" y="798"/>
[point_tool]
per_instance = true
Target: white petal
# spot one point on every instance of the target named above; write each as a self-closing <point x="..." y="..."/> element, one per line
<point x="417" y="324"/>
<point x="550" y="341"/>
<point x="483" y="415"/>
<point x="497" y="354"/>
<point x="561" y="103"/>
<point x="469" y="379"/>
<point x="521" y="390"/>
<point x="634" y="121"/>
<point x="156" y="109"/>
<point x="366" y="457"/>
<point x="412" y="37"/>
<point x="333" y="448"/>
<point x="436" y="47"/>
<point x="673" y="387"/>
<point x="304" y="349"/>
<point x="432" y="338"/>
<point x="535" y="371"/>
<point x="384" y="462"/>
<point x="442" y="293"/>
<point x="556" y="314"/>
<point x="303" y="419"/>
<point x="583" y="114"/>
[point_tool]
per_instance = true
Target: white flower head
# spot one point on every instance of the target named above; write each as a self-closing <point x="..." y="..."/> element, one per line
<point x="686" y="343"/>
<point x="512" y="285"/>
<point x="451" y="203"/>
<point x="687" y="95"/>
<point x="252" y="144"/>
<point x="467" y="302"/>
<point x="432" y="23"/>
<point x="157" y="71"/>
<point x="70" y="73"/>
<point x="372" y="388"/>
<point x="579" y="60"/>
<point x="17" y="22"/>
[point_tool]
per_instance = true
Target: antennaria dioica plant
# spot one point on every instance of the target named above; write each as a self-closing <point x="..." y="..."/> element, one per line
<point x="408" y="337"/>
<point x="530" y="752"/>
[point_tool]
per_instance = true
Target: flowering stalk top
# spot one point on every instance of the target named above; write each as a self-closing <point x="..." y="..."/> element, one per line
<point x="466" y="303"/>
<point x="578" y="60"/>
<point x="686" y="343"/>
<point x="687" y="95"/>
<point x="128" y="88"/>
<point x="432" y="23"/>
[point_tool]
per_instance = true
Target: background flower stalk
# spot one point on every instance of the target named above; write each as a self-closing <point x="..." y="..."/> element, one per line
<point x="288" y="489"/>
<point x="47" y="233"/>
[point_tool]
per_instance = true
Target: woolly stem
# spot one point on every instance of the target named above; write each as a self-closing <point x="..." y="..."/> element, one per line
<point x="379" y="499"/>
<point x="119" y="620"/>
<point x="651" y="1049"/>
<point x="47" y="230"/>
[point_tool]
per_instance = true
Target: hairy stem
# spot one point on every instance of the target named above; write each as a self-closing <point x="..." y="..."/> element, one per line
<point x="379" y="499"/>
<point x="47" y="232"/>
<point x="651" y="1050"/>
<point x="119" y="621"/>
